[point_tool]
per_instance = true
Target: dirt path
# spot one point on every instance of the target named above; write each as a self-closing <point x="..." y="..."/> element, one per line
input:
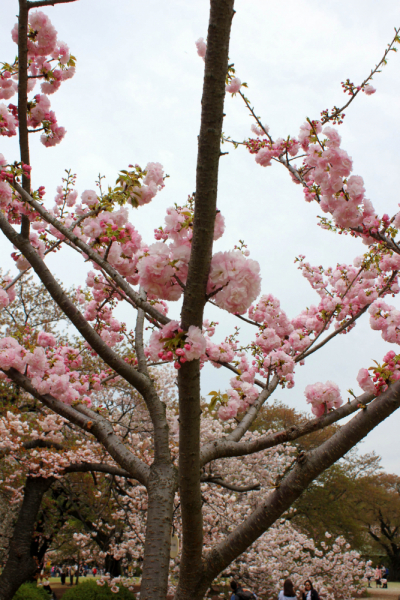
<point x="392" y="593"/>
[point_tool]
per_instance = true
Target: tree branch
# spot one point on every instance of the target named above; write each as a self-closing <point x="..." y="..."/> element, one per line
<point x="47" y="3"/>
<point x="97" y="467"/>
<point x="296" y="481"/>
<point x="139" y="381"/>
<point x="93" y="255"/>
<point x="89" y="421"/>
<point x="230" y="486"/>
<point x="23" y="102"/>
<point x="225" y="448"/>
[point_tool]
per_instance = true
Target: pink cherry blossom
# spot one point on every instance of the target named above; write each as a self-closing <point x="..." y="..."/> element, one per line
<point x="201" y="47"/>
<point x="197" y="343"/>
<point x="369" y="89"/>
<point x="365" y="381"/>
<point x="234" y="85"/>
<point x="46" y="339"/>
<point x="237" y="278"/>
<point x="323" y="396"/>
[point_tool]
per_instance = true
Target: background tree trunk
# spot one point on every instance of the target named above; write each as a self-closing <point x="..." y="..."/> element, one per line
<point x="21" y="565"/>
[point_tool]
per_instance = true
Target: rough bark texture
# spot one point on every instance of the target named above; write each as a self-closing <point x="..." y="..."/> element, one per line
<point x="161" y="491"/>
<point x="20" y="564"/>
<point x="23" y="101"/>
<point x="216" y="65"/>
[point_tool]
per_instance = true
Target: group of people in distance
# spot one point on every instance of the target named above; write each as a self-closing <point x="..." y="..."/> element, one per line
<point x="288" y="593"/>
<point x="381" y="573"/>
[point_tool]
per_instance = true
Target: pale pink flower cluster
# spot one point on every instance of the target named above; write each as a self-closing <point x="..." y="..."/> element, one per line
<point x="97" y="310"/>
<point x="171" y="343"/>
<point x="67" y="198"/>
<point x="8" y="87"/>
<point x="42" y="116"/>
<point x="161" y="265"/>
<point x="384" y="374"/>
<point x="385" y="318"/>
<point x="268" y="311"/>
<point x="5" y="194"/>
<point x="112" y="227"/>
<point x="234" y="280"/>
<point x="179" y="225"/>
<point x="342" y="194"/>
<point x="369" y="89"/>
<point x="6" y="296"/>
<point x="346" y="290"/>
<point x="234" y="85"/>
<point x="90" y="198"/>
<point x="323" y="397"/>
<point x="43" y="47"/>
<point x="152" y="184"/>
<point x="220" y="353"/>
<point x="258" y="131"/>
<point x="365" y="382"/>
<point x="266" y="153"/>
<point x="43" y="42"/>
<point x="335" y="570"/>
<point x="243" y="393"/>
<point x="201" y="46"/>
<point x="158" y="266"/>
<point x="52" y="370"/>
<point x="283" y="364"/>
<point x="8" y="121"/>
<point x="45" y="39"/>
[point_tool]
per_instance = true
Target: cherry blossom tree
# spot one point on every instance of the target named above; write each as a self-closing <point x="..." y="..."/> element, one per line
<point x="180" y="266"/>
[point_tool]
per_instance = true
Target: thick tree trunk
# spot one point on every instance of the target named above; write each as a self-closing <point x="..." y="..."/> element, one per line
<point x="394" y="564"/>
<point x="21" y="565"/>
<point x="212" y="113"/>
<point x="112" y="566"/>
<point x="161" y="491"/>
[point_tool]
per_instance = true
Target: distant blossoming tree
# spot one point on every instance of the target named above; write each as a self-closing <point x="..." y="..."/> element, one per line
<point x="180" y="265"/>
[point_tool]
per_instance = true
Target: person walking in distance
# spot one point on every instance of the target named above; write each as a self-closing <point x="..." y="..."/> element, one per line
<point x="378" y="576"/>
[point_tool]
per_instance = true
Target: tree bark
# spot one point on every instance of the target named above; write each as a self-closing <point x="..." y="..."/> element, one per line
<point x="23" y="102"/>
<point x="20" y="564"/>
<point x="161" y="492"/>
<point x="216" y="66"/>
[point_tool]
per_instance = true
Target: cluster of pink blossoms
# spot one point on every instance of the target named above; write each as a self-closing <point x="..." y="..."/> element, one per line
<point x="8" y="121"/>
<point x="346" y="290"/>
<point x="171" y="343"/>
<point x="383" y="375"/>
<point x="385" y="318"/>
<point x="266" y="150"/>
<point x="342" y="194"/>
<point x="323" y="397"/>
<point x="8" y="87"/>
<point x="201" y="46"/>
<point x="242" y="393"/>
<point x="6" y="296"/>
<point x="49" y="62"/>
<point x="276" y="341"/>
<point x="42" y="117"/>
<point x="234" y="281"/>
<point x="52" y="369"/>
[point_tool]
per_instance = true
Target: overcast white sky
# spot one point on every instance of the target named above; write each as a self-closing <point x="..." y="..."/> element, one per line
<point x="136" y="98"/>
